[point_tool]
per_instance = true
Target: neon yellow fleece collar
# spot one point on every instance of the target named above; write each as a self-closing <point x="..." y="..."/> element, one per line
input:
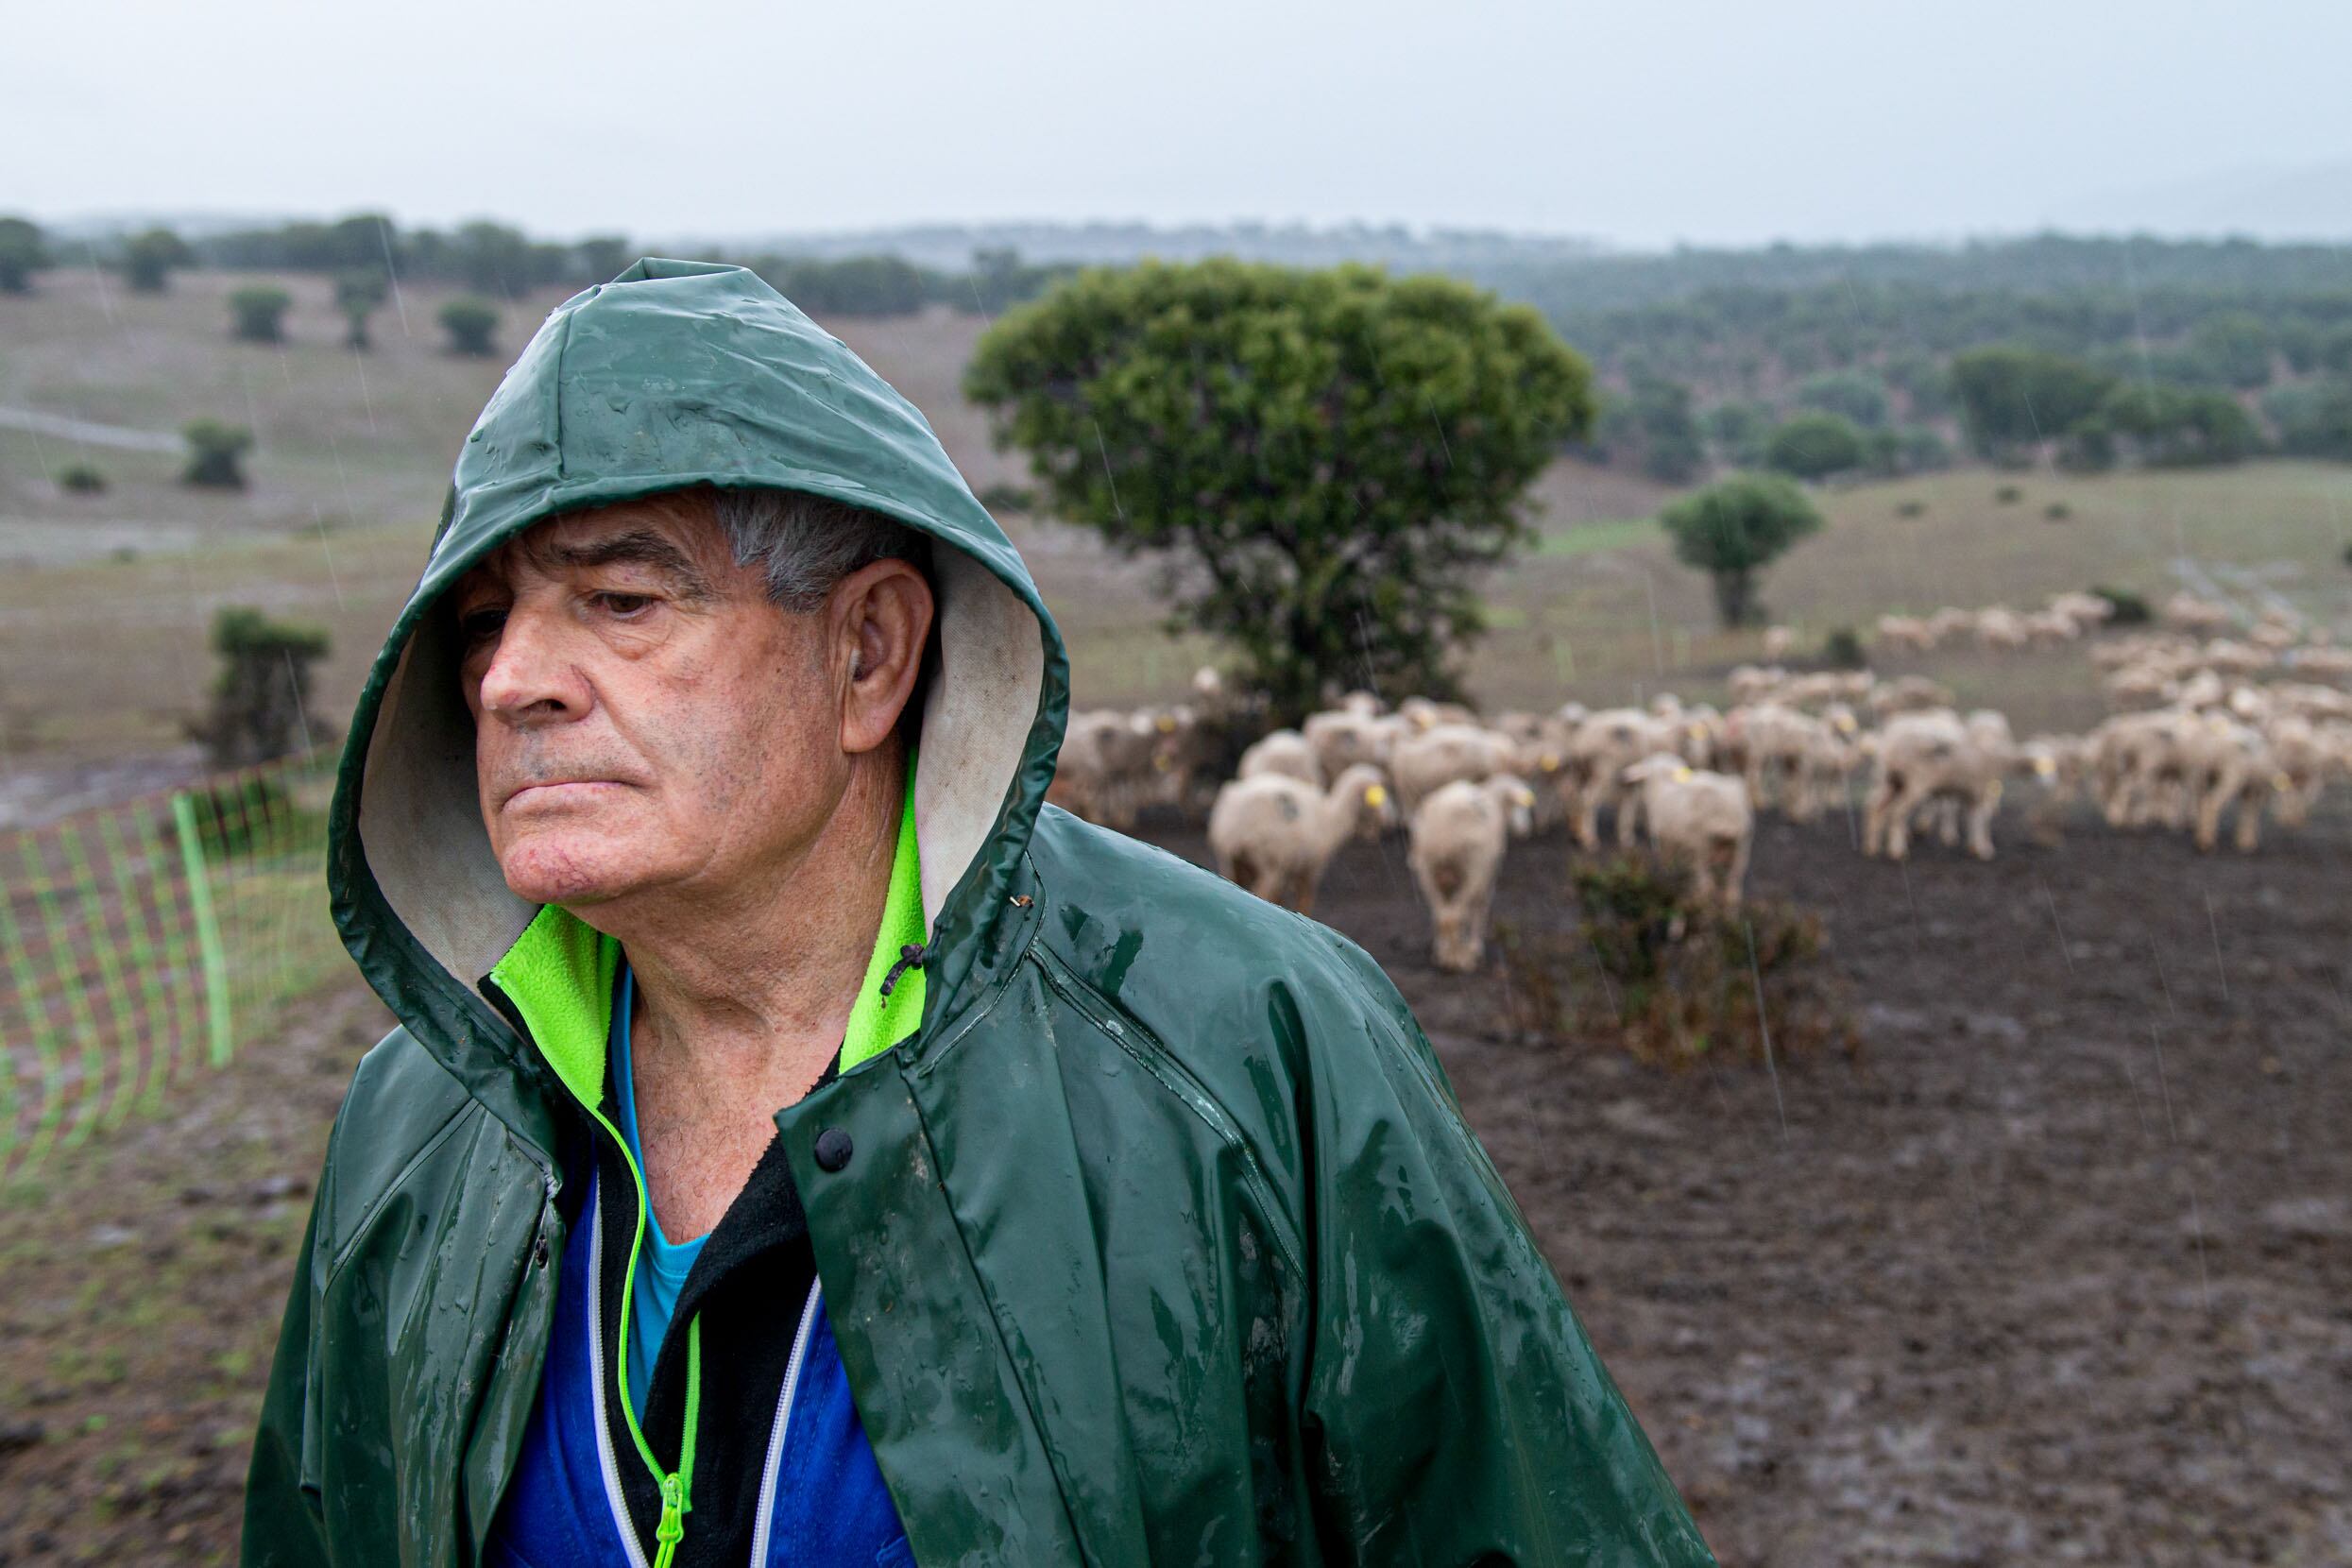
<point x="559" y="975"/>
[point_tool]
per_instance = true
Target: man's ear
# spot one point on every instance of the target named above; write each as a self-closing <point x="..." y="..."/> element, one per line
<point x="884" y="613"/>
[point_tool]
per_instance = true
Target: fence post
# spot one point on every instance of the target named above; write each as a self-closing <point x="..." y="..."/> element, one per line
<point x="207" y="928"/>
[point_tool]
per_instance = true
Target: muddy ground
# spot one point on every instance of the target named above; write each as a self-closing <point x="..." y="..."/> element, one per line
<point x="2061" y="1271"/>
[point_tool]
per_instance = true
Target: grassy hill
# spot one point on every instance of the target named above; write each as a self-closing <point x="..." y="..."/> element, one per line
<point x="105" y="599"/>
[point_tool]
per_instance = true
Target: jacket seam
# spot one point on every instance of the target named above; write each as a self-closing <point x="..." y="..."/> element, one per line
<point x="1163" y="1067"/>
<point x="346" y="1246"/>
<point x="983" y="1005"/>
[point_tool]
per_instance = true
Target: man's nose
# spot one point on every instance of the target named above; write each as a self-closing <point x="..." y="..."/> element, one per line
<point x="534" y="675"/>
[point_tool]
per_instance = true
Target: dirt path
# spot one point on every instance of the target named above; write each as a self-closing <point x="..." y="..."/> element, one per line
<point x="2059" y="1274"/>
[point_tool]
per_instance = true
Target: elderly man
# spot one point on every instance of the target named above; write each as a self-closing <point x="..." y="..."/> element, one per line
<point x="799" y="1144"/>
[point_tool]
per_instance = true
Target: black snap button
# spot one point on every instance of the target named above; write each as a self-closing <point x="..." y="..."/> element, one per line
<point x="833" y="1148"/>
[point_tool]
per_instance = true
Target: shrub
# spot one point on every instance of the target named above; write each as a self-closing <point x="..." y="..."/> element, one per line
<point x="215" y="453"/>
<point x="239" y="815"/>
<point x="1815" y="445"/>
<point x="1677" y="982"/>
<point x="1841" y="649"/>
<point x="1911" y="510"/>
<point x="261" y="698"/>
<point x="472" y="326"/>
<point x="258" y="314"/>
<point x="2057" y="511"/>
<point x="2130" y="608"/>
<point x="81" y="479"/>
<point x="1733" y="528"/>
<point x="150" y="258"/>
<point x="2008" y="495"/>
<point x="24" y="250"/>
<point x="356" y="294"/>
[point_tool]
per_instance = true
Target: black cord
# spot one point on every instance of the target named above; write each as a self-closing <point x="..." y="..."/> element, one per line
<point x="910" y="957"/>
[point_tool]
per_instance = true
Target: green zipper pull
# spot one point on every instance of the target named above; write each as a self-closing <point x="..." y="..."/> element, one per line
<point x="673" y="1526"/>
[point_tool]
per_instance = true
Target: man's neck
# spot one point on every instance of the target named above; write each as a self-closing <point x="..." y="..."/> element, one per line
<point x="743" y="1000"/>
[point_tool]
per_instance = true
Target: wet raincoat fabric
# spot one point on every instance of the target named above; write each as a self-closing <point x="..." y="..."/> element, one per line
<point x="1160" y="1240"/>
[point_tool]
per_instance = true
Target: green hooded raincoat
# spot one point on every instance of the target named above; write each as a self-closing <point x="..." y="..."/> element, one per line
<point x="1163" y="1240"/>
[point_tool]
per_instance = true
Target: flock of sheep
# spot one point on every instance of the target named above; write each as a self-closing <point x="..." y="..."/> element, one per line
<point x="2205" y="725"/>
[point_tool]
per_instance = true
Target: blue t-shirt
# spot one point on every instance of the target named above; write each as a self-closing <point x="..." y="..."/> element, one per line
<point x="662" y="1265"/>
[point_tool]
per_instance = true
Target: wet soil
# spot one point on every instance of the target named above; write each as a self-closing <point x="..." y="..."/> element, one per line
<point x="2060" y="1271"/>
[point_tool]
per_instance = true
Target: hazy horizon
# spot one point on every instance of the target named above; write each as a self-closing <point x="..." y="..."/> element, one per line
<point x="1710" y="124"/>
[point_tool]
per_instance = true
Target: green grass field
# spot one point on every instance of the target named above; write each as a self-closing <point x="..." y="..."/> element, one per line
<point x="106" y="600"/>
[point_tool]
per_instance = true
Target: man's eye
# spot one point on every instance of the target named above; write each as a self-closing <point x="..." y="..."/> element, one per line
<point x="480" y="627"/>
<point x="625" y="604"/>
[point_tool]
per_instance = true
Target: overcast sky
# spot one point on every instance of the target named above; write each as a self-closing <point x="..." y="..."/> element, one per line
<point x="1640" y="122"/>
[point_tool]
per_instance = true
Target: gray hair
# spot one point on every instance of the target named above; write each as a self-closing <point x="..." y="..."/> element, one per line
<point x="804" y="544"/>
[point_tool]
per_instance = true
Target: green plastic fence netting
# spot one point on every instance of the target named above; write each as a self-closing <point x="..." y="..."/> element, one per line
<point x="137" y="943"/>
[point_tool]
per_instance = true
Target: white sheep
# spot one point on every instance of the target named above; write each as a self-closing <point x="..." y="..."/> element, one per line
<point x="1697" y="819"/>
<point x="1447" y="754"/>
<point x="1601" y="749"/>
<point x="1921" y="759"/>
<point x="1459" y="836"/>
<point x="1275" y="835"/>
<point x="1284" y="751"/>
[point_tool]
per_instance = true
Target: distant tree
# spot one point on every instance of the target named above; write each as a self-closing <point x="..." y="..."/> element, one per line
<point x="215" y="453"/>
<point x="2331" y="350"/>
<point x="81" y="479"/>
<point x="1924" y="380"/>
<point x="1652" y="423"/>
<point x="149" y="259"/>
<point x="1815" y="445"/>
<point x="24" y="250"/>
<point x="600" y="258"/>
<point x="257" y="313"/>
<point x="357" y="295"/>
<point x="260" y="699"/>
<point x="2012" y="399"/>
<point x="854" y="285"/>
<point x="2171" y="427"/>
<point x="1853" y="395"/>
<point x="491" y="258"/>
<point x="472" y="326"/>
<point x="2314" y="419"/>
<point x="2234" y="348"/>
<point x="1922" y="448"/>
<point x="1735" y="528"/>
<point x="1738" y="431"/>
<point x="1330" y="456"/>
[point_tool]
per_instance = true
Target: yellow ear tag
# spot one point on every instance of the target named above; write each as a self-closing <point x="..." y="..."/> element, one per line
<point x="2044" y="766"/>
<point x="1525" y="797"/>
<point x="1375" y="795"/>
<point x="1167" y="724"/>
<point x="2280" y="782"/>
<point x="1695" y="731"/>
<point x="1549" y="761"/>
<point x="1681" y="776"/>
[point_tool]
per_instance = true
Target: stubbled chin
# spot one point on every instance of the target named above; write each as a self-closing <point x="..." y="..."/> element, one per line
<point x="547" y="869"/>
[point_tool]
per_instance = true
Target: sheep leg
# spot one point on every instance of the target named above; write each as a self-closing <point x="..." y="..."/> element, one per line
<point x="1628" y="817"/>
<point x="2249" y="820"/>
<point x="1735" y="878"/>
<point x="1981" y="824"/>
<point x="1874" y="819"/>
<point x="2209" y="804"/>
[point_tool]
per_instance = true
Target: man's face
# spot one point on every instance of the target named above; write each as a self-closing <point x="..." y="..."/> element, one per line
<point x="644" y="718"/>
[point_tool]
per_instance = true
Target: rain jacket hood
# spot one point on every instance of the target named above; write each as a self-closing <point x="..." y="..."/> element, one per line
<point x="1160" y="1239"/>
<point x="678" y="373"/>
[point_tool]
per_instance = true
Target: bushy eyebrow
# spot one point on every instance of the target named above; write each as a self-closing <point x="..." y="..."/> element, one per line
<point x="628" y="547"/>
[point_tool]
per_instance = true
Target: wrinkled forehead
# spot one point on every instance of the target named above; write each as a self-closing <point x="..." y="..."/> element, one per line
<point x="675" y="534"/>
